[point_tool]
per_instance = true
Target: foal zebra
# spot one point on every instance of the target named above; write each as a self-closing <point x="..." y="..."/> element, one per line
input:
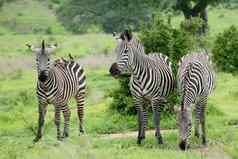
<point x="151" y="79"/>
<point x="58" y="81"/>
<point x="196" y="79"/>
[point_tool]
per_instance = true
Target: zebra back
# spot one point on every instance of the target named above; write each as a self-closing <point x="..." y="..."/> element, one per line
<point x="190" y="61"/>
<point x="161" y="59"/>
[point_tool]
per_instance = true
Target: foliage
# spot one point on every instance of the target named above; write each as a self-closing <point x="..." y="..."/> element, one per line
<point x="192" y="25"/>
<point x="122" y="101"/>
<point x="110" y="15"/>
<point x="158" y="36"/>
<point x="225" y="50"/>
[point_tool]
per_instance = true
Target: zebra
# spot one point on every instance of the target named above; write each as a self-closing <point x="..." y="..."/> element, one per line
<point x="151" y="79"/>
<point x="58" y="81"/>
<point x="195" y="79"/>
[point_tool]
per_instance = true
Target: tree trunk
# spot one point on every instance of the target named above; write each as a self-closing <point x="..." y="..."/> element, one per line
<point x="199" y="10"/>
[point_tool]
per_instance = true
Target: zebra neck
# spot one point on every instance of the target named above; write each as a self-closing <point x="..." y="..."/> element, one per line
<point x="139" y="66"/>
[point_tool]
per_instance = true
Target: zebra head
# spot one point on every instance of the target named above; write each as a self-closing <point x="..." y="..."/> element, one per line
<point x="43" y="62"/>
<point x="184" y="123"/>
<point x="123" y="53"/>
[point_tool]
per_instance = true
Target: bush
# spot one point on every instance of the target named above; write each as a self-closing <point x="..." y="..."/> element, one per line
<point x="225" y="50"/>
<point x="157" y="36"/>
<point x="122" y="101"/>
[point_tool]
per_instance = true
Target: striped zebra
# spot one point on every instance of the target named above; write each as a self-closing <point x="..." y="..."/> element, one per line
<point x="151" y="79"/>
<point x="58" y="81"/>
<point x="195" y="80"/>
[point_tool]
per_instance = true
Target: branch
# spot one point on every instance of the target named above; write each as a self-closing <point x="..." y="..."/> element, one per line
<point x="199" y="7"/>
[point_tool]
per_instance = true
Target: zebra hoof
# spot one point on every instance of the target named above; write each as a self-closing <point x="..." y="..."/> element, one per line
<point x="204" y="142"/>
<point x="60" y="138"/>
<point x="160" y="141"/>
<point x="65" y="135"/>
<point x="81" y="132"/>
<point x="139" y="140"/>
<point x="197" y="135"/>
<point x="183" y="145"/>
<point x="37" y="138"/>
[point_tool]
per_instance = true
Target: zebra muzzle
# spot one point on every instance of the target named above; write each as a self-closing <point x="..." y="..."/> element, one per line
<point x="114" y="70"/>
<point x="183" y="145"/>
<point x="43" y="76"/>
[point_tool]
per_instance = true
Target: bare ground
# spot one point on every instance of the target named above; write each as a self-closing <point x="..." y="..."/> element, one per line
<point x="10" y="64"/>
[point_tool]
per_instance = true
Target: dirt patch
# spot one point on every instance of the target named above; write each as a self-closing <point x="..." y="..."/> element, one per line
<point x="131" y="134"/>
<point x="95" y="61"/>
<point x="10" y="64"/>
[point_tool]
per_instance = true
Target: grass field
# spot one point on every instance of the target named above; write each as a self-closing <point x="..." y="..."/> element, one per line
<point x="30" y="21"/>
<point x="18" y="119"/>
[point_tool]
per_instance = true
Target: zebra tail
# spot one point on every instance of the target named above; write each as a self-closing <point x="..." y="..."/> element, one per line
<point x="187" y="74"/>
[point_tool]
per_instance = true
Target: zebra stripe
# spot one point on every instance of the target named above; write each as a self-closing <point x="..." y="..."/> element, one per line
<point x="151" y="79"/>
<point x="196" y="80"/>
<point x="57" y="83"/>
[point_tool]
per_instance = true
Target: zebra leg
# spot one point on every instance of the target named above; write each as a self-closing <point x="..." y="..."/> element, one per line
<point x="57" y="121"/>
<point x="197" y="121"/>
<point x="203" y="119"/>
<point x="80" y="98"/>
<point x="42" y="112"/>
<point x="66" y="112"/>
<point x="156" y="119"/>
<point x="145" y="117"/>
<point x="138" y="102"/>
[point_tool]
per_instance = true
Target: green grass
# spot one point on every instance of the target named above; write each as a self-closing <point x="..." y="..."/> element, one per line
<point x="18" y="116"/>
<point x="77" y="45"/>
<point x="28" y="16"/>
<point x="18" y="103"/>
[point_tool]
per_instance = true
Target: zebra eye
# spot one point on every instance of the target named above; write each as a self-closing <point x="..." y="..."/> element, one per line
<point x="126" y="51"/>
<point x="48" y="59"/>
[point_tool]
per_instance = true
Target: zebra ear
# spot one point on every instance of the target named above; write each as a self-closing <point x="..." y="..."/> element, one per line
<point x="32" y="48"/>
<point x="127" y="35"/>
<point x="114" y="34"/>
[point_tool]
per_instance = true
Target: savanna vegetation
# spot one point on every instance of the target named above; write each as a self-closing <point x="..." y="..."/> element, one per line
<point x="30" y="21"/>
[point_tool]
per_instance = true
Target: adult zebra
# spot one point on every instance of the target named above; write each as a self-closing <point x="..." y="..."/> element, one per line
<point x="195" y="82"/>
<point x="58" y="81"/>
<point x="151" y="79"/>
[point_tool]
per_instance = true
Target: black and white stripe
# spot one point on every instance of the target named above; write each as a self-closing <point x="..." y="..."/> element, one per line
<point x="151" y="79"/>
<point x="57" y="83"/>
<point x="196" y="79"/>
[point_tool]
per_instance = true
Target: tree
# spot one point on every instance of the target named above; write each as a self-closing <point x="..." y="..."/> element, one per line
<point x="111" y="15"/>
<point x="196" y="8"/>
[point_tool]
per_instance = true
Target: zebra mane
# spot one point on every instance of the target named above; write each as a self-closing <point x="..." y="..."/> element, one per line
<point x="186" y="76"/>
<point x="161" y="57"/>
<point x="203" y="57"/>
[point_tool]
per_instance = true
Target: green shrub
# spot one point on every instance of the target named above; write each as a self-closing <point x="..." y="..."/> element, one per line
<point x="225" y="49"/>
<point x="192" y="25"/>
<point x="122" y="101"/>
<point x="48" y="30"/>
